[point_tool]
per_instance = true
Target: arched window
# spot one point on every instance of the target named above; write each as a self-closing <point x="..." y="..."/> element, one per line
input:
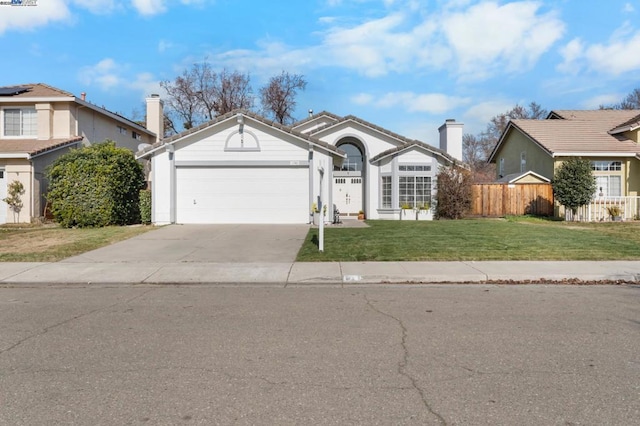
<point x="353" y="162"/>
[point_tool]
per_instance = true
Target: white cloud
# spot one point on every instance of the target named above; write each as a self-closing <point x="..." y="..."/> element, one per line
<point x="362" y="99"/>
<point x="471" y="42"/>
<point x="96" y="6"/>
<point x="488" y="36"/>
<point x="483" y="112"/>
<point x="107" y="74"/>
<point x="103" y="74"/>
<point x="433" y="103"/>
<point x="596" y="101"/>
<point x="613" y="58"/>
<point x="164" y="45"/>
<point x="571" y="54"/>
<point x="628" y="8"/>
<point x="28" y="18"/>
<point x="149" y="7"/>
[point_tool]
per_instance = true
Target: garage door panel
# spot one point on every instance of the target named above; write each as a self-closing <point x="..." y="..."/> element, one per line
<point x="242" y="195"/>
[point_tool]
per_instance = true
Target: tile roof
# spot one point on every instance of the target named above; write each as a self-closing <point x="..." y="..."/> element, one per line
<point x="411" y="144"/>
<point x="576" y="136"/>
<point x="34" y="146"/>
<point x="246" y="113"/>
<point x="315" y="116"/>
<point x="579" y="132"/>
<point x="40" y="90"/>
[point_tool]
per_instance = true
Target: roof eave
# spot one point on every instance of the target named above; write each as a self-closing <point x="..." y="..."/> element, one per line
<point x="594" y="154"/>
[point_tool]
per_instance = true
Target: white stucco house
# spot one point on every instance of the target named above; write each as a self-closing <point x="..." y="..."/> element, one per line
<point x="243" y="168"/>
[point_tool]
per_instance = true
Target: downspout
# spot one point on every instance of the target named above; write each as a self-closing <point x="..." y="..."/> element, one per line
<point x="330" y="183"/>
<point x="172" y="184"/>
<point x="311" y="169"/>
<point x="395" y="185"/>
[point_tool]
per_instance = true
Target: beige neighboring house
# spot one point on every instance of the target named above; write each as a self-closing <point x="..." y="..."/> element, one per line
<point x="38" y="123"/>
<point x="608" y="138"/>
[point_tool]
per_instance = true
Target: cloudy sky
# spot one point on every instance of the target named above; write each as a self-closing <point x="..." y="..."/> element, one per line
<point x="405" y="65"/>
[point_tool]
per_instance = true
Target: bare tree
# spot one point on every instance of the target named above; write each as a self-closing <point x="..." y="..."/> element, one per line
<point x="201" y="94"/>
<point x="182" y="100"/>
<point x="278" y="97"/>
<point x="476" y="149"/>
<point x="222" y="92"/>
<point x="631" y="101"/>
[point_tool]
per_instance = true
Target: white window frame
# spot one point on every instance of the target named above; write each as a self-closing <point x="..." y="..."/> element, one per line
<point x="418" y="179"/>
<point x="501" y="167"/>
<point x="523" y="161"/>
<point x="386" y="192"/>
<point x="34" y="129"/>
<point x="608" y="186"/>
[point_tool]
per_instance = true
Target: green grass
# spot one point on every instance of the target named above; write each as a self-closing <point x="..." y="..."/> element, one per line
<point x="50" y="243"/>
<point x="476" y="239"/>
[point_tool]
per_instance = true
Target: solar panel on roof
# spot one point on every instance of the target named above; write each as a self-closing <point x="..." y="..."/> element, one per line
<point x="10" y="91"/>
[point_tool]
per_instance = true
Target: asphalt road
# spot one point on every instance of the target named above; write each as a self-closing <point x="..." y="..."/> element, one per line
<point x="431" y="355"/>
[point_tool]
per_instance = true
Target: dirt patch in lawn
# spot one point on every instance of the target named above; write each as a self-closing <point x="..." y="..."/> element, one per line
<point x="48" y="243"/>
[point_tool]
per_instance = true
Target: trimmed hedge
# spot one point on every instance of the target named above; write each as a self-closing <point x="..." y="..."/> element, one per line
<point x="95" y="186"/>
<point x="145" y="206"/>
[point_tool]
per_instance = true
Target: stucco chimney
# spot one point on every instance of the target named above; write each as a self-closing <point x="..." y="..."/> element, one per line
<point x="451" y="138"/>
<point x="155" y="116"/>
<point x="83" y="96"/>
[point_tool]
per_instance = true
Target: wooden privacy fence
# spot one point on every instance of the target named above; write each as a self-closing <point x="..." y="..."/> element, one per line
<point x="496" y="199"/>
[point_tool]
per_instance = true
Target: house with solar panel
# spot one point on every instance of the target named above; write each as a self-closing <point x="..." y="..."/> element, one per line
<point x="38" y="123"/>
<point x="610" y="139"/>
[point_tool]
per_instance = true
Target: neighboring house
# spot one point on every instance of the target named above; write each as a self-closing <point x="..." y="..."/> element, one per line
<point x="243" y="168"/>
<point x="608" y="138"/>
<point x="38" y="123"/>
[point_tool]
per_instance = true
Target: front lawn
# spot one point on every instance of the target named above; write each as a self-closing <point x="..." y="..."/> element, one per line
<point x="476" y="239"/>
<point x="50" y="243"/>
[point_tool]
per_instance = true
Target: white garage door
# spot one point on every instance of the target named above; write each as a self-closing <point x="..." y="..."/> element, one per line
<point x="242" y="195"/>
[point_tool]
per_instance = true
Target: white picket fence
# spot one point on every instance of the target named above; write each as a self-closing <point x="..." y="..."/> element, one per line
<point x="598" y="209"/>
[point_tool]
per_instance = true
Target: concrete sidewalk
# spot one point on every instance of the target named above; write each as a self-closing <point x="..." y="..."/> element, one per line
<point x="329" y="273"/>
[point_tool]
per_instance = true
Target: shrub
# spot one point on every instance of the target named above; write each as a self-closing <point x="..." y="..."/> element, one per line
<point x="574" y="184"/>
<point x="15" y="191"/>
<point x="453" y="199"/>
<point x="145" y="206"/>
<point x="97" y="185"/>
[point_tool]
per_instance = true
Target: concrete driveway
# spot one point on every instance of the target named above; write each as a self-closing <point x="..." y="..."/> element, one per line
<point x="205" y="243"/>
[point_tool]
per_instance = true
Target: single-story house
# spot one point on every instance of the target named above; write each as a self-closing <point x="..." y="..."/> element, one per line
<point x="243" y="168"/>
<point x="38" y="123"/>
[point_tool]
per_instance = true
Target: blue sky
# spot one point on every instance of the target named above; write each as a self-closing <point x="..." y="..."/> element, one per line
<point x="405" y="65"/>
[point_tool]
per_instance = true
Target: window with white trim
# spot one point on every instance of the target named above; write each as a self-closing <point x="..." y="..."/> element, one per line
<point x="20" y="122"/>
<point x="501" y="167"/>
<point x="386" y="192"/>
<point x="523" y="161"/>
<point x="608" y="186"/>
<point x="414" y="191"/>
<point x="606" y="166"/>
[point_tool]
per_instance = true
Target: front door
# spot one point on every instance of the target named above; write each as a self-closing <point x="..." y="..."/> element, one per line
<point x="347" y="193"/>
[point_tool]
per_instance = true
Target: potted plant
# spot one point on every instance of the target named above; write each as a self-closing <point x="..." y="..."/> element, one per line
<point x="424" y="212"/>
<point x="406" y="211"/>
<point x="361" y="215"/>
<point x="615" y="213"/>
<point x="315" y="212"/>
